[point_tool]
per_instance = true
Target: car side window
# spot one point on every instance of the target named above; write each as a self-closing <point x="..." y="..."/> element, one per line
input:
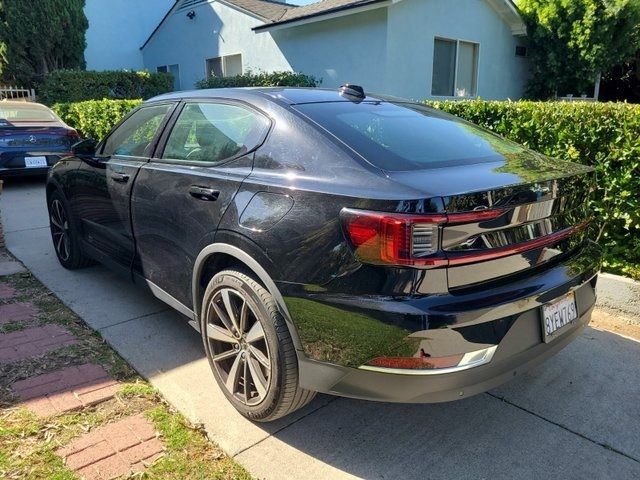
<point x="133" y="138"/>
<point x="214" y="132"/>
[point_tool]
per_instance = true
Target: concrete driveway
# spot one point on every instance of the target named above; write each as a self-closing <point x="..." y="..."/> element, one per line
<point x="575" y="416"/>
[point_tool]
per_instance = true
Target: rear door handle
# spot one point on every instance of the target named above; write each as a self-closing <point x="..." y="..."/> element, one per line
<point x="204" y="193"/>
<point x="120" y="177"/>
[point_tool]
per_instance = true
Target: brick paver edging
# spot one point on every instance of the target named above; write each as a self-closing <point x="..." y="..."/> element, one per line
<point x="7" y="292"/>
<point x="32" y="342"/>
<point x="113" y="450"/>
<point x="65" y="390"/>
<point x="17" y="312"/>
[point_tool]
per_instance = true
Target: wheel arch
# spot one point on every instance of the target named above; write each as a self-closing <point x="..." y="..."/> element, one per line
<point x="52" y="186"/>
<point x="218" y="255"/>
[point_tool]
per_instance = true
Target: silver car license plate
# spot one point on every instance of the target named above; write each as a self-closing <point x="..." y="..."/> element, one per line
<point x="35" y="162"/>
<point x="558" y="315"/>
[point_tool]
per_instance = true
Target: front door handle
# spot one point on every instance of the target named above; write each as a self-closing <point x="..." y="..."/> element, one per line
<point x="204" y="193"/>
<point x="120" y="177"/>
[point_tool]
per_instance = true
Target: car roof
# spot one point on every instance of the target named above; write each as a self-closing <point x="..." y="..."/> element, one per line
<point x="288" y="95"/>
<point x="20" y="103"/>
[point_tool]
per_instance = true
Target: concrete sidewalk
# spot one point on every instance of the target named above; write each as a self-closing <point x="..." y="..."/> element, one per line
<point x="575" y="416"/>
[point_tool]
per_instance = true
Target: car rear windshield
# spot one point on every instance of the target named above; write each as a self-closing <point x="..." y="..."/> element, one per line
<point x="407" y="136"/>
<point x="26" y="113"/>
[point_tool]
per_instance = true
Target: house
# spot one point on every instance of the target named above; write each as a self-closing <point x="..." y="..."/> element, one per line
<point x="116" y="30"/>
<point x="410" y="48"/>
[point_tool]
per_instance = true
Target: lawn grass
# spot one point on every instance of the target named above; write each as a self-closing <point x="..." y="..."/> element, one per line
<point x="28" y="443"/>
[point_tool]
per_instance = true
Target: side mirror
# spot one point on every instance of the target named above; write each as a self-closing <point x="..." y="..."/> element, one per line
<point x="85" y="148"/>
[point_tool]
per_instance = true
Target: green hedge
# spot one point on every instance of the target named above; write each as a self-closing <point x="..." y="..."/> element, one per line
<point x="603" y="135"/>
<point x="273" y="79"/>
<point x="78" y="85"/>
<point x="94" y="118"/>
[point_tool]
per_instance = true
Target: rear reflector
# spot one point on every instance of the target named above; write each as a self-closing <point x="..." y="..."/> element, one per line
<point x="415" y="363"/>
<point x="431" y="365"/>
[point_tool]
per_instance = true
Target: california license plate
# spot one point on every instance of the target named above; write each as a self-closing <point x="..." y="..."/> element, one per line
<point x="557" y="316"/>
<point x="35" y="162"/>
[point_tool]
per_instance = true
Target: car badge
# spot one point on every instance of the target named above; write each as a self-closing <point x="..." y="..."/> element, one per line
<point x="32" y="138"/>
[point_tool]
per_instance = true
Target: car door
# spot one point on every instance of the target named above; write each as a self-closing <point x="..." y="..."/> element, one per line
<point x="180" y="196"/>
<point x="101" y="192"/>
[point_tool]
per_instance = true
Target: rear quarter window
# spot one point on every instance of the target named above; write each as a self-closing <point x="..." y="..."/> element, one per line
<point x="26" y="113"/>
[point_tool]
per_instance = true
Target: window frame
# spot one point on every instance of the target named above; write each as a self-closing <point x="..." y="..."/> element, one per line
<point x="458" y="41"/>
<point x="168" y="129"/>
<point x="167" y="69"/>
<point x="173" y="104"/>
<point x="207" y="74"/>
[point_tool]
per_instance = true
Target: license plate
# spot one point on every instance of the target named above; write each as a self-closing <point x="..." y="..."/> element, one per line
<point x="558" y="315"/>
<point x="34" y="162"/>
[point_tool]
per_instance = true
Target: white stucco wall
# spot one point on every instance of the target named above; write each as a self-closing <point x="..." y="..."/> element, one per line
<point x="216" y="30"/>
<point x="413" y="26"/>
<point x="117" y="30"/>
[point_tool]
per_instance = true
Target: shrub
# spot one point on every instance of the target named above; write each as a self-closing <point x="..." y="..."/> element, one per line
<point x="249" y="79"/>
<point x="94" y="118"/>
<point x="603" y="135"/>
<point x="77" y="85"/>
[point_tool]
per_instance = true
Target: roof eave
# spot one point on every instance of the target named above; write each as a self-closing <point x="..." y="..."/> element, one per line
<point x="174" y="8"/>
<point x="325" y="15"/>
<point x="510" y="14"/>
<point x="164" y="19"/>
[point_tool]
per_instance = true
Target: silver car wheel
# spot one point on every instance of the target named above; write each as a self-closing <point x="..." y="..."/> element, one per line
<point x="240" y="353"/>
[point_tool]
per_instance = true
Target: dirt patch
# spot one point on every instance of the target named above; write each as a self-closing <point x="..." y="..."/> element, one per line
<point x="617" y="324"/>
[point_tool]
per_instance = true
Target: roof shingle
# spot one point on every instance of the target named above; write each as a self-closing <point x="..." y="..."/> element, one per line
<point x="322" y="6"/>
<point x="277" y="12"/>
<point x="270" y="11"/>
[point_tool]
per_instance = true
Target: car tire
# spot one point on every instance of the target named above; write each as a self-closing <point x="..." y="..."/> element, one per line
<point x="66" y="240"/>
<point x="250" y="351"/>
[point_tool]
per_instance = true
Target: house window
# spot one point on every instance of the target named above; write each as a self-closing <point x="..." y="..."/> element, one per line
<point x="173" y="69"/>
<point x="455" y="68"/>
<point x="227" y="66"/>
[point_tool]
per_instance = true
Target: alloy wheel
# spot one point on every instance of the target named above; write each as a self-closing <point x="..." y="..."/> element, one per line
<point x="60" y="230"/>
<point x="238" y="346"/>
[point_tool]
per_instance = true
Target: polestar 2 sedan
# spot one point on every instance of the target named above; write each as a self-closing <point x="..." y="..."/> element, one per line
<point x="335" y="241"/>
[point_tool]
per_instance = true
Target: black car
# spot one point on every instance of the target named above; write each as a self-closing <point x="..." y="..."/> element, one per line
<point x="336" y="242"/>
<point x="32" y="138"/>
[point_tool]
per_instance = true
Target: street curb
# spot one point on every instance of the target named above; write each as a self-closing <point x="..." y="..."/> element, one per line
<point x="620" y="295"/>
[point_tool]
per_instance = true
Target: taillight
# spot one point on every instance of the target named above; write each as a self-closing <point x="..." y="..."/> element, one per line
<point x="398" y="239"/>
<point x="71" y="133"/>
<point x="394" y="239"/>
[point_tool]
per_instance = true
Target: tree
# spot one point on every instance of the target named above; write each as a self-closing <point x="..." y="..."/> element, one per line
<point x="622" y="82"/>
<point x="573" y="41"/>
<point x="39" y="36"/>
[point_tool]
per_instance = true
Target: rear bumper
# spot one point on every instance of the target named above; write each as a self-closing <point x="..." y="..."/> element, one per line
<point x="12" y="163"/>
<point x="367" y="385"/>
<point x="341" y="334"/>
